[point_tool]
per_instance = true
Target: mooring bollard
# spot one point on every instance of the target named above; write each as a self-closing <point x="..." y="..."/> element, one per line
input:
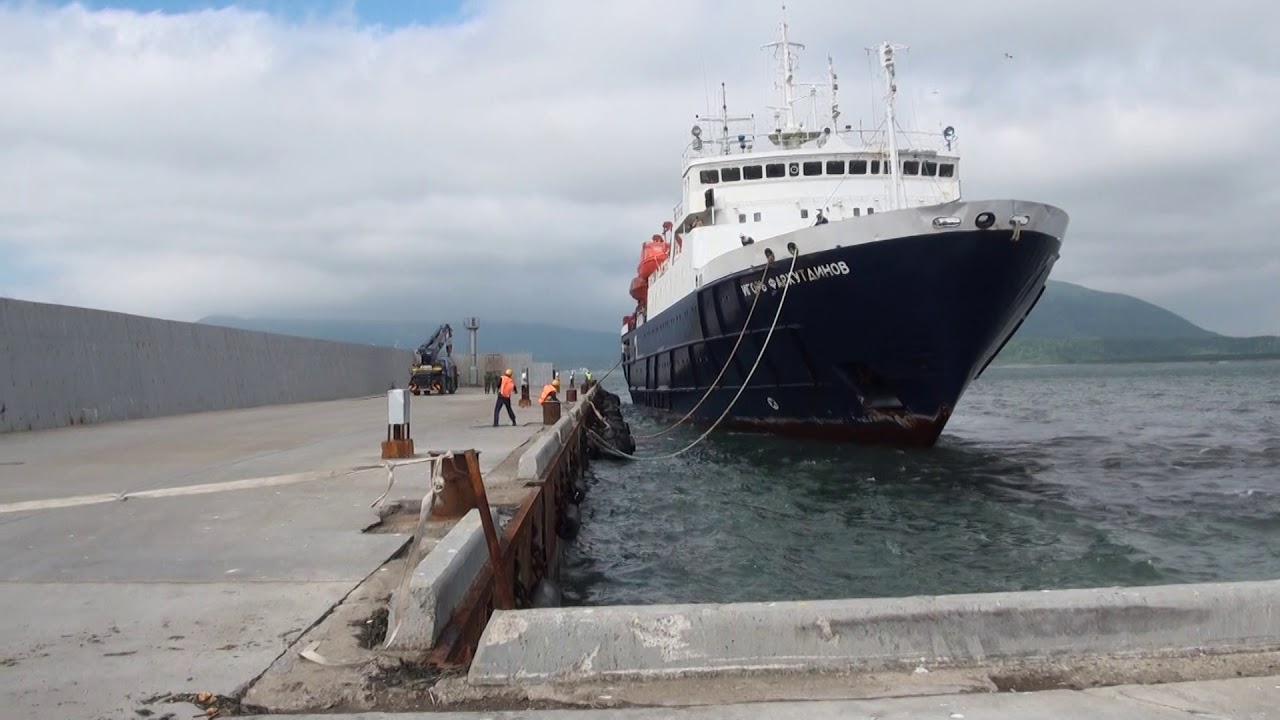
<point x="398" y="444"/>
<point x="550" y="412"/>
<point x="571" y="395"/>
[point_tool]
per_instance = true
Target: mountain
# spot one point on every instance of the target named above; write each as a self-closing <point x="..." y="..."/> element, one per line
<point x="1074" y="311"/>
<point x="548" y="343"/>
<point x="1071" y="324"/>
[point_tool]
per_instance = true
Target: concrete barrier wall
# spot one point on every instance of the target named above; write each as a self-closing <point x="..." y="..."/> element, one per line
<point x="63" y="366"/>
<point x="535" y="461"/>
<point x="539" y="376"/>
<point x="669" y="641"/>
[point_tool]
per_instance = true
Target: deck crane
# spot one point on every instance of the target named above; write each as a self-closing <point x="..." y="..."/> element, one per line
<point x="433" y="369"/>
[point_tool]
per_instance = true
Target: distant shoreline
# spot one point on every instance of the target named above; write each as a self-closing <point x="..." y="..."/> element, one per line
<point x="1153" y="359"/>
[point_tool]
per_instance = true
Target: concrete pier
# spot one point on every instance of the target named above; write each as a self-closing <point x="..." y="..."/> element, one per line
<point x="230" y="562"/>
<point x="186" y="554"/>
<point x="1238" y="699"/>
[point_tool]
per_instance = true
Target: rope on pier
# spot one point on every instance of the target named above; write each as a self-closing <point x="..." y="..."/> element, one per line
<point x="728" y="361"/>
<point x="400" y="599"/>
<point x="795" y="255"/>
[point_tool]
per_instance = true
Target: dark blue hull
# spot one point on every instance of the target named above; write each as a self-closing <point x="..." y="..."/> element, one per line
<point x="876" y="341"/>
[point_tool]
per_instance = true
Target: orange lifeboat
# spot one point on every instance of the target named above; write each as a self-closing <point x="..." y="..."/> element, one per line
<point x="653" y="254"/>
<point x="640" y="289"/>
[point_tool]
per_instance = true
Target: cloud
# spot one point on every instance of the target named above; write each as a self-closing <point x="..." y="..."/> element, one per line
<point x="508" y="163"/>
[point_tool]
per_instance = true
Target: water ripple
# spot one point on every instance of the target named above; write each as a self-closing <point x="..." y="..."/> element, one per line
<point x="1046" y="478"/>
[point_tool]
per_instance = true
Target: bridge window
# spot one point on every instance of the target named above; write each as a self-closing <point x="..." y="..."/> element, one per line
<point x="871" y="211"/>
<point x="756" y="217"/>
<point x="751" y="172"/>
<point x="775" y="170"/>
<point x="875" y="167"/>
<point x="911" y="167"/>
<point x="857" y="167"/>
<point x="742" y="217"/>
<point x="835" y="167"/>
<point x="813" y="167"/>
<point x="929" y="168"/>
<point x="857" y="212"/>
<point x="732" y="174"/>
<point x="946" y="170"/>
<point x="804" y="213"/>
<point x="709" y="177"/>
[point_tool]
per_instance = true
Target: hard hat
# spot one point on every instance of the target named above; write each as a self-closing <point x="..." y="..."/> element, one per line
<point x="508" y="372"/>
<point x="556" y="382"/>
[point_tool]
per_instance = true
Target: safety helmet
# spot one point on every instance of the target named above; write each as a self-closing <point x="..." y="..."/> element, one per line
<point x="555" y="383"/>
<point x="508" y="372"/>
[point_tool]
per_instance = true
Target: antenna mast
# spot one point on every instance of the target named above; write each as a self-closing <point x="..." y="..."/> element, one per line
<point x="887" y="62"/>
<point x="724" y="120"/>
<point x="835" y="106"/>
<point x="787" y="73"/>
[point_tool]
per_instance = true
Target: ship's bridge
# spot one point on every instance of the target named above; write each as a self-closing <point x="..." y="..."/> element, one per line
<point x="766" y="193"/>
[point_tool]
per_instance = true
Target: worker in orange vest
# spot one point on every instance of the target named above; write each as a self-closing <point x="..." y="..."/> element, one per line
<point x="549" y="392"/>
<point x="506" y="386"/>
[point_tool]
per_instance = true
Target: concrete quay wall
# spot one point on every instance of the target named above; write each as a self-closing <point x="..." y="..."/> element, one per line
<point x="62" y="365"/>
<point x="444" y="576"/>
<point x="673" y="641"/>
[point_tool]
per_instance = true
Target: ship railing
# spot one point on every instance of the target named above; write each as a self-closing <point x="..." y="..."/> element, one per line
<point x="861" y="140"/>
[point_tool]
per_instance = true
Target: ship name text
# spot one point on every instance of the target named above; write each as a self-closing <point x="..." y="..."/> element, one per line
<point x="795" y="277"/>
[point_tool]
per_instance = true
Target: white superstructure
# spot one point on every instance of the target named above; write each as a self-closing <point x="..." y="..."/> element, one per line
<point x="740" y="185"/>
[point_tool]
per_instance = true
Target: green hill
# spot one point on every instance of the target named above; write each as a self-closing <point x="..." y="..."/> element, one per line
<point x="1071" y="324"/>
<point x="1074" y="311"/>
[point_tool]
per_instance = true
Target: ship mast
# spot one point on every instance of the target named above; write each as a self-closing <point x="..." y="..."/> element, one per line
<point x="887" y="62"/>
<point x="835" y="106"/>
<point x="787" y="74"/>
<point x="724" y="120"/>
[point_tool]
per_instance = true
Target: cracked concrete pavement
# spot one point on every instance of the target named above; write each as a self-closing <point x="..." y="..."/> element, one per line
<point x="247" y="532"/>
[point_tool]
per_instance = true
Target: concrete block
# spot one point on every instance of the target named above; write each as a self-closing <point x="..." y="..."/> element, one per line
<point x="534" y="462"/>
<point x="666" y="641"/>
<point x="440" y="581"/>
<point x="538" y="457"/>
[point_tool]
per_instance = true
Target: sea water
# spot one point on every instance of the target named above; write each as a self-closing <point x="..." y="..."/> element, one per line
<point x="1046" y="477"/>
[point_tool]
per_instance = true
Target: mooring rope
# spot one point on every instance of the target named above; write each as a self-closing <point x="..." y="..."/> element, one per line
<point x="615" y="367"/>
<point x="400" y="599"/>
<point x="768" y="263"/>
<point x="795" y="255"/>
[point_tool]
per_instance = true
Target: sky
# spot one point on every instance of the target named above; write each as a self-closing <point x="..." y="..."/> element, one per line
<point x="506" y="158"/>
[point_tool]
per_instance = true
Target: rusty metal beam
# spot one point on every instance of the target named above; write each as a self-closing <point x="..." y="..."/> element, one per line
<point x="538" y="558"/>
<point x="505" y="599"/>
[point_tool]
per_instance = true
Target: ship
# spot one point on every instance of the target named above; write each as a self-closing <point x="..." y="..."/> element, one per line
<point x="827" y="281"/>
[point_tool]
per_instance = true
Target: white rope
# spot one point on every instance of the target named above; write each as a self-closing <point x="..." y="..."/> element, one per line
<point x="606" y="375"/>
<point x="732" y="353"/>
<point x="777" y="314"/>
<point x="400" y="598"/>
